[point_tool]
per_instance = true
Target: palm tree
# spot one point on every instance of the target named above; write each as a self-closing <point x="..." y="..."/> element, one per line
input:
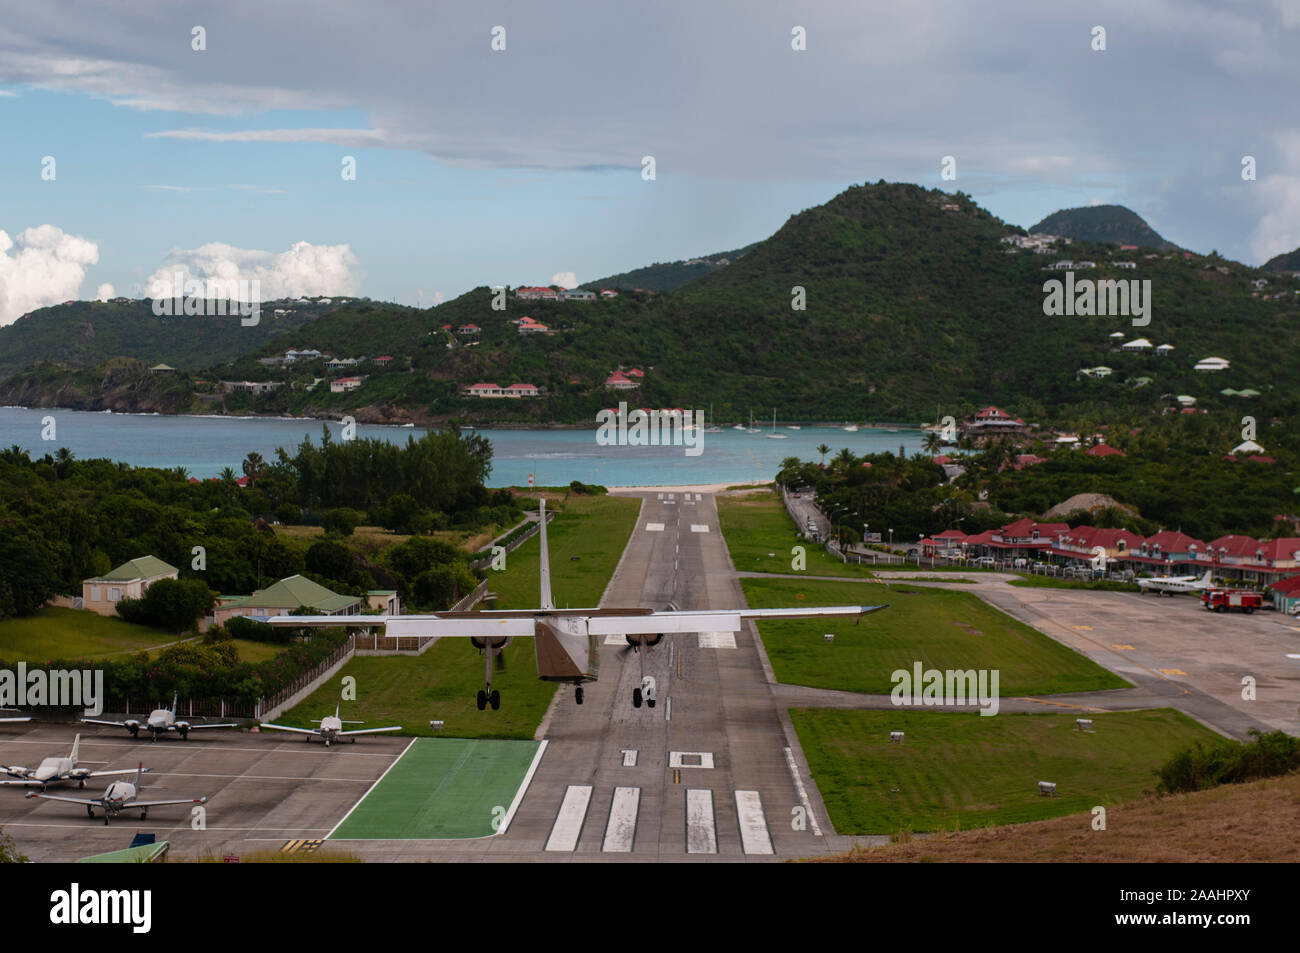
<point x="932" y="443"/>
<point x="254" y="467"/>
<point x="823" y="450"/>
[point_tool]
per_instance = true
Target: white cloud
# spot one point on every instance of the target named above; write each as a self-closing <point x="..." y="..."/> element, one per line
<point x="104" y="292"/>
<point x="39" y="267"/>
<point x="565" y="279"/>
<point x="304" y="270"/>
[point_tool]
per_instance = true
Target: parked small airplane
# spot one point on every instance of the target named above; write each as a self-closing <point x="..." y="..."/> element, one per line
<point x="566" y="640"/>
<point x="331" y="728"/>
<point x="160" y="721"/>
<point x="56" y="769"/>
<point x="1175" y="584"/>
<point x="21" y="718"/>
<point x="120" y="796"/>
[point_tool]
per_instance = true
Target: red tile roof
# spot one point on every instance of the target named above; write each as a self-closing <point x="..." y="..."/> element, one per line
<point x="1104" y="450"/>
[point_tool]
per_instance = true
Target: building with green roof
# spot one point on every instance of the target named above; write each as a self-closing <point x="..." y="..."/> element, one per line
<point x="285" y="596"/>
<point x="127" y="581"/>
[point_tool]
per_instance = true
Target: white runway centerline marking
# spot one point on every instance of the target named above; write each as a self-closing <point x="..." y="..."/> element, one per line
<point x="690" y="759"/>
<point x="654" y="527"/>
<point x="701" y="834"/>
<point x="568" y="823"/>
<point x="699" y="528"/>
<point x="620" y="831"/>
<point x="753" y="827"/>
<point x="717" y="640"/>
<point x="616" y="640"/>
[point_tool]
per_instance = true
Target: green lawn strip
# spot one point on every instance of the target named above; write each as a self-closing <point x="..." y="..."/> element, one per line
<point x="1052" y="582"/>
<point x="442" y="788"/>
<point x="250" y="651"/>
<point x="957" y="771"/>
<point x="56" y="632"/>
<point x="443" y="682"/>
<point x="941" y="628"/>
<point x="761" y="536"/>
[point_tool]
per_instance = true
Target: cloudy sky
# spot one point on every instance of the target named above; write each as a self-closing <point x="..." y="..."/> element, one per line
<point x="129" y="154"/>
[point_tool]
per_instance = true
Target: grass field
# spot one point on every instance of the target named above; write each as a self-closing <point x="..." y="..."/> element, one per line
<point x="250" y="651"/>
<point x="373" y="539"/>
<point x="1052" y="582"/>
<point x="442" y="683"/>
<point x="1256" y="822"/>
<point x="56" y="632"/>
<point x="760" y="536"/>
<point x="956" y="771"/>
<point x="442" y="788"/>
<point x="940" y="628"/>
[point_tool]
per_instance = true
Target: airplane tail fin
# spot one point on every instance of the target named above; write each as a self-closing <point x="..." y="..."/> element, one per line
<point x="544" y="561"/>
<point x="139" y="775"/>
<point x="1208" y="578"/>
<point x="76" y="744"/>
<point x="176" y="700"/>
<point x="338" y="707"/>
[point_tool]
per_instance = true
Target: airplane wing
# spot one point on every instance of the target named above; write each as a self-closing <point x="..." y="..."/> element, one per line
<point x="71" y="800"/>
<point x="192" y="726"/>
<point x="28" y="718"/>
<point x="105" y="774"/>
<point x="369" y="731"/>
<point x="25" y="781"/>
<point x="301" y="731"/>
<point x="134" y="804"/>
<point x="101" y="721"/>
<point x="521" y="623"/>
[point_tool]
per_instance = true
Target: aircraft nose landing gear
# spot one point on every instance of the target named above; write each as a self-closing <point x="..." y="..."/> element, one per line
<point x="577" y="694"/>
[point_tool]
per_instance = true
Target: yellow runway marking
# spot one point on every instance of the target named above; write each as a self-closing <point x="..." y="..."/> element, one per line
<point x="1123" y="648"/>
<point x="299" y="844"/>
<point x="1173" y="671"/>
<point x="1044" y="701"/>
<point x="1083" y="628"/>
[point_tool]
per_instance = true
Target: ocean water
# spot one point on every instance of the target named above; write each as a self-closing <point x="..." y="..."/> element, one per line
<point x="206" y="445"/>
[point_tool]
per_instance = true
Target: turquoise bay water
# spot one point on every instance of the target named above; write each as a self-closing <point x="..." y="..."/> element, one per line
<point x="206" y="445"/>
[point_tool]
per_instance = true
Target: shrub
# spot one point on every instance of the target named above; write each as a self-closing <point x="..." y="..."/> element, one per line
<point x="1198" y="768"/>
<point x="172" y="604"/>
<point x="342" y="521"/>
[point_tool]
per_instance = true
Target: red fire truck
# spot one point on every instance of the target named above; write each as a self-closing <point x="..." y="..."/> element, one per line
<point x="1223" y="600"/>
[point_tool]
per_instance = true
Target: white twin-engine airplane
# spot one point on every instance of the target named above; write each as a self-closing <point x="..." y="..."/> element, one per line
<point x="159" y="722"/>
<point x="1173" y="584"/>
<point x="566" y="640"/>
<point x="56" y="769"/>
<point x="331" y="728"/>
<point x="120" y="796"/>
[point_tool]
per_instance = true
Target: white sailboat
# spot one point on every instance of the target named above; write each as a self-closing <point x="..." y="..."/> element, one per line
<point x="751" y="428"/>
<point x="851" y="428"/>
<point x="711" y="428"/>
<point x="774" y="435"/>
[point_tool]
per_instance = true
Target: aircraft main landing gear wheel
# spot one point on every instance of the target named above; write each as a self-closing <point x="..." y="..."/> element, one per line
<point x="636" y="698"/>
<point x="90" y="811"/>
<point x="577" y="694"/>
<point x="144" y="815"/>
<point x="495" y="699"/>
<point x="81" y="785"/>
<point x="650" y="702"/>
<point x="481" y="699"/>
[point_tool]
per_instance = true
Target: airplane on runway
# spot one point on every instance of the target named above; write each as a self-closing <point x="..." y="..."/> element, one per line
<point x="56" y="769"/>
<point x="120" y="796"/>
<point x="160" y="721"/>
<point x="1175" y="584"/>
<point x="23" y="718"/>
<point x="331" y="728"/>
<point x="566" y="640"/>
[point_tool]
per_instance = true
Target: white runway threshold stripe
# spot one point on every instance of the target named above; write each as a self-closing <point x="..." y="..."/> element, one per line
<point x="699" y="528"/>
<point x="701" y="833"/>
<point x="754" y="837"/>
<point x="717" y="640"/>
<point x="654" y="527"/>
<point x="620" y="831"/>
<point x="568" y="823"/>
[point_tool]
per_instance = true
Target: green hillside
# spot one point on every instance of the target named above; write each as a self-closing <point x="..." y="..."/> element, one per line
<point x="912" y="305"/>
<point x="669" y="276"/>
<point x="1104" y="223"/>
<point x="1290" y="261"/>
<point x="86" y="333"/>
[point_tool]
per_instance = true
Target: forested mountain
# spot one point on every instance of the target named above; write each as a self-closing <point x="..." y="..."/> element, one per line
<point x="1104" y="223"/>
<point x="668" y="276"/>
<point x="889" y="302"/>
<point x="86" y="333"/>
<point x="1290" y="261"/>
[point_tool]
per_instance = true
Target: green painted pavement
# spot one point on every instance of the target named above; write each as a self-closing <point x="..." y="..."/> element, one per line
<point x="442" y="788"/>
